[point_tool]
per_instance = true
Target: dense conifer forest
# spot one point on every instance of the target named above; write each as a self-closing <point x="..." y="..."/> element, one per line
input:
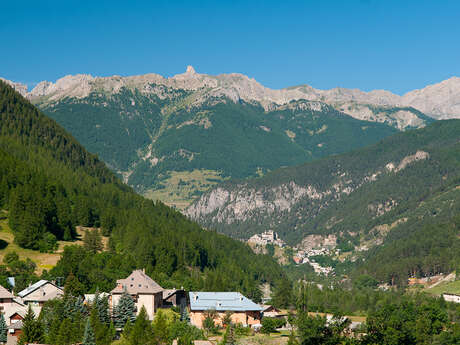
<point x="49" y="184"/>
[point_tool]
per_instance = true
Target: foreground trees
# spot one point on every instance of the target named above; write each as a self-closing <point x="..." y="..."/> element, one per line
<point x="409" y="319"/>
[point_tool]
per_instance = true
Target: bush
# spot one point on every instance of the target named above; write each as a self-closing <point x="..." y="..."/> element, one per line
<point x="241" y="330"/>
<point x="209" y="325"/>
<point x="48" y="243"/>
<point x="270" y="324"/>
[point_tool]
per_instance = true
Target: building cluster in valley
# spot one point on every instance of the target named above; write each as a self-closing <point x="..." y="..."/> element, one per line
<point x="267" y="237"/>
<point x="145" y="292"/>
<point x="313" y="245"/>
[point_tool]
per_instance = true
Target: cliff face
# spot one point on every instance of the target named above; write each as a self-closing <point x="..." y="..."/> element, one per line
<point x="174" y="138"/>
<point x="242" y="202"/>
<point x="358" y="196"/>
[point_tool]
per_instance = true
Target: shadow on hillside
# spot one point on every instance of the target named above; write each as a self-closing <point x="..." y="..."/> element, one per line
<point x="3" y="244"/>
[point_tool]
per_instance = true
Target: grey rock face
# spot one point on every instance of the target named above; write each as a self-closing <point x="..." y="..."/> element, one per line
<point x="441" y="101"/>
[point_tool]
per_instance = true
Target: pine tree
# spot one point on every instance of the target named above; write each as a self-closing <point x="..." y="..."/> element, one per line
<point x="160" y="327"/>
<point x="141" y="332"/>
<point x="3" y="329"/>
<point x="125" y="310"/>
<point x="292" y="339"/>
<point x="32" y="331"/>
<point x="102" y="306"/>
<point x="73" y="286"/>
<point x="92" y="241"/>
<point x="65" y="333"/>
<point x="88" y="337"/>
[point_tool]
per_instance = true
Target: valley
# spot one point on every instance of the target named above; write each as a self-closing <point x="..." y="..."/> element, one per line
<point x="230" y="173"/>
<point x="149" y="128"/>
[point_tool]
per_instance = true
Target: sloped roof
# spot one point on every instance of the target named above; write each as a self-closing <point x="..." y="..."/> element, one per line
<point x="270" y="308"/>
<point x="89" y="297"/>
<point x="32" y="288"/>
<point x="14" y="308"/>
<point x="222" y="301"/>
<point x="4" y="293"/>
<point x="169" y="292"/>
<point x="45" y="297"/>
<point x="137" y="283"/>
<point x="16" y="325"/>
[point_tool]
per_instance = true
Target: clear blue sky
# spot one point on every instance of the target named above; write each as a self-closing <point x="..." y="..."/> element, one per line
<point x="397" y="45"/>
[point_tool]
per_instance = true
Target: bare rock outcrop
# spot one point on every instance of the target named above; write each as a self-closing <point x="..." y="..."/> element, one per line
<point x="440" y="100"/>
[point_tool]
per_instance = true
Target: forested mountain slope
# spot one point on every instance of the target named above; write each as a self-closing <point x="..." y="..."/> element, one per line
<point x="49" y="184"/>
<point x="391" y="192"/>
<point x="173" y="138"/>
<point x="148" y="140"/>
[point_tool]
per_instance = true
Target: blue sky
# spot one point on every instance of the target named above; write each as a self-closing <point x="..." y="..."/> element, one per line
<point x="397" y="45"/>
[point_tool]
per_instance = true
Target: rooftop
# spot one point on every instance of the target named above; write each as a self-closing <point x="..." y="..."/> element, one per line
<point x="222" y="301"/>
<point x="137" y="283"/>
<point x="34" y="287"/>
<point x="4" y="293"/>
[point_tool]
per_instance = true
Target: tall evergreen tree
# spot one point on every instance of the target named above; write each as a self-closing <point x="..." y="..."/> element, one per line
<point x="88" y="337"/>
<point x="92" y="241"/>
<point x="141" y="332"/>
<point x="125" y="310"/>
<point x="65" y="333"/>
<point x="73" y="286"/>
<point x="3" y="329"/>
<point x="102" y="306"/>
<point x="32" y="331"/>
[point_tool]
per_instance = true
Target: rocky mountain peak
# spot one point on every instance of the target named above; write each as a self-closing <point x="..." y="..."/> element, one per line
<point x="440" y="100"/>
<point x="21" y="88"/>
<point x="190" y="70"/>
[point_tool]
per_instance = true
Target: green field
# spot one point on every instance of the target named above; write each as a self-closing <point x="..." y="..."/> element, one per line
<point x="44" y="261"/>
<point x="182" y="187"/>
<point x="448" y="287"/>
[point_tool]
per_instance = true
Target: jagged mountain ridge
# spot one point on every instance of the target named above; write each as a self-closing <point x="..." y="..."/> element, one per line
<point x="358" y="196"/>
<point x="173" y="138"/>
<point x="50" y="184"/>
<point x="441" y="100"/>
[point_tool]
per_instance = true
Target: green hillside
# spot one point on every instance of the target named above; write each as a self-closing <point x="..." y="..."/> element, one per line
<point x="148" y="140"/>
<point x="50" y="184"/>
<point x="402" y="192"/>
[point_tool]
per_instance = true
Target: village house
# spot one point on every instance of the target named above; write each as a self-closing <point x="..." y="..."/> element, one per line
<point x="40" y="292"/>
<point x="451" y="297"/>
<point x="89" y="297"/>
<point x="13" y="311"/>
<point x="143" y="289"/>
<point x="271" y="311"/>
<point x="243" y="310"/>
<point x="174" y="298"/>
<point x="6" y="299"/>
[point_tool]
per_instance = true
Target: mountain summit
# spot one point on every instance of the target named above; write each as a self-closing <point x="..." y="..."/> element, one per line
<point x="174" y="138"/>
<point x="440" y="101"/>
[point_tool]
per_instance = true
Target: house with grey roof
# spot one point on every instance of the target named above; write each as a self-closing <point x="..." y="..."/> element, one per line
<point x="13" y="311"/>
<point x="40" y="292"/>
<point x="174" y="298"/>
<point x="242" y="309"/>
<point x="143" y="289"/>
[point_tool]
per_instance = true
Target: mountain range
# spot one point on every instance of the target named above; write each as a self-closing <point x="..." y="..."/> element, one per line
<point x="218" y="143"/>
<point x="174" y="138"/>
<point x="50" y="184"/>
<point x="391" y="204"/>
<point x="440" y="101"/>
